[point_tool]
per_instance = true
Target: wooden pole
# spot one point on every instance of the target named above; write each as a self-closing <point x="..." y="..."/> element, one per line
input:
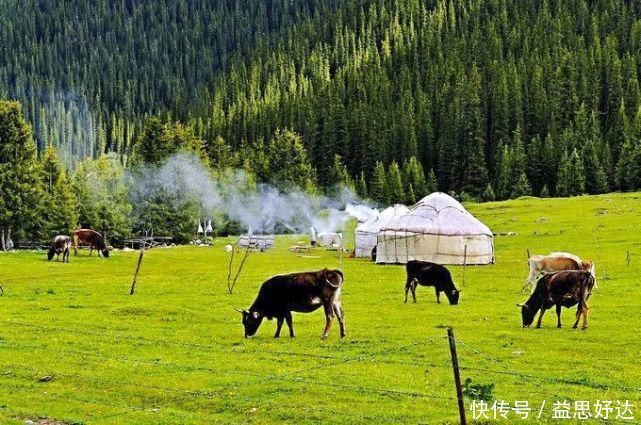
<point x="457" y="376"/>
<point x="464" y="263"/>
<point x="231" y="262"/>
<point x="133" y="283"/>
<point x="240" y="269"/>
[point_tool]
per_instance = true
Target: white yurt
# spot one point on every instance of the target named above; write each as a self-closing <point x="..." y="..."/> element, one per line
<point x="366" y="234"/>
<point x="437" y="229"/>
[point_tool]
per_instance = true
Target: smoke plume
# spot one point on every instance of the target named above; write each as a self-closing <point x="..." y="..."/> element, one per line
<point x="258" y="208"/>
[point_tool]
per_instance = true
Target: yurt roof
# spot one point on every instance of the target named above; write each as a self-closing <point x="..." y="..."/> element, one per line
<point x="438" y="214"/>
<point x="375" y="224"/>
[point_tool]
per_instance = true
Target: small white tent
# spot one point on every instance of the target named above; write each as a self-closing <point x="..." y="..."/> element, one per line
<point x="367" y="233"/>
<point x="330" y="239"/>
<point x="436" y="229"/>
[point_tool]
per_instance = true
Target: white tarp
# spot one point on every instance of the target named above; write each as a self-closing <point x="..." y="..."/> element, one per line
<point x="436" y="229"/>
<point x="366" y="234"/>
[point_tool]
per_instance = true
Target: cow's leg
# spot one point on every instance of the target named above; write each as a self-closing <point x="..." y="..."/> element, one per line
<point x="579" y="311"/>
<point x="586" y="310"/>
<point x="538" y="324"/>
<point x="338" y="310"/>
<point x="414" y="285"/>
<point x="408" y="286"/>
<point x="558" y="316"/>
<point x="329" y="316"/>
<point x="279" y="324"/>
<point x="438" y="295"/>
<point x="288" y="318"/>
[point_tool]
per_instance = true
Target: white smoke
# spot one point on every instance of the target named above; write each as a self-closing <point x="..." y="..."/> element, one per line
<point x="258" y="208"/>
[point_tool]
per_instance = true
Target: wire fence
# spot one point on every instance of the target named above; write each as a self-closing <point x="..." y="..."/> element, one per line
<point x="290" y="377"/>
<point x="471" y="354"/>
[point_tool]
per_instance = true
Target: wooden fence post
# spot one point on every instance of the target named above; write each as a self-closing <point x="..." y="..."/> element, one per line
<point x="464" y="263"/>
<point x="457" y="376"/>
<point x="133" y="283"/>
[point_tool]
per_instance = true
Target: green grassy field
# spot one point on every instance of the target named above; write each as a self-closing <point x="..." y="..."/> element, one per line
<point x="173" y="353"/>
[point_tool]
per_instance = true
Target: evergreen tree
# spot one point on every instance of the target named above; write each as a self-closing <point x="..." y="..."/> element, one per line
<point x="545" y="193"/>
<point x="378" y="186"/>
<point x="361" y="186"/>
<point x="159" y="140"/>
<point x="20" y="184"/>
<point x="504" y="183"/>
<point x="338" y="174"/>
<point x="414" y="177"/>
<point x="395" y="192"/>
<point x="596" y="180"/>
<point x="220" y="154"/>
<point x="289" y="162"/>
<point x="488" y="194"/>
<point x="571" y="181"/>
<point x="522" y="187"/>
<point x="102" y="194"/>
<point x="432" y="182"/>
<point x="628" y="169"/>
<point x="59" y="205"/>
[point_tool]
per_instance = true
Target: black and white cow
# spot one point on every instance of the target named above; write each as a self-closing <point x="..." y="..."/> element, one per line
<point x="61" y="245"/>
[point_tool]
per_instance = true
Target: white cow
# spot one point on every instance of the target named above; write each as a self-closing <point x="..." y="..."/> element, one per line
<point x="554" y="262"/>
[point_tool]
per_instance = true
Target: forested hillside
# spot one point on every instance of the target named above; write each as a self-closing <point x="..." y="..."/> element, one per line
<point x="87" y="70"/>
<point x="497" y="98"/>
<point x="525" y="96"/>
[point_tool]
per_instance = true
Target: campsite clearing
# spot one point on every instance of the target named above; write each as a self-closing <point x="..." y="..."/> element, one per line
<point x="174" y="353"/>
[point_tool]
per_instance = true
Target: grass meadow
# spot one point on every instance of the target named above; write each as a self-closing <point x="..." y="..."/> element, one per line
<point x="174" y="352"/>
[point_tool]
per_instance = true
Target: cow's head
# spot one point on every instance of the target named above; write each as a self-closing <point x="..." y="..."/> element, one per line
<point x="453" y="296"/>
<point x="251" y="321"/>
<point x="51" y="253"/>
<point x="105" y="252"/>
<point x="527" y="315"/>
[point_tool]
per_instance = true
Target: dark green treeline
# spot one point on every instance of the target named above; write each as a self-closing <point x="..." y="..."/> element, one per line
<point x="494" y="98"/>
<point x="499" y="98"/>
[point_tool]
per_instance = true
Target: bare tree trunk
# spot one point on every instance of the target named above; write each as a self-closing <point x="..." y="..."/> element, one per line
<point x="2" y="243"/>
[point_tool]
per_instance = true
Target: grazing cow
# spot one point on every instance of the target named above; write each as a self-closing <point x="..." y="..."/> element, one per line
<point x="301" y="292"/>
<point x="542" y="264"/>
<point x="430" y="274"/>
<point x="61" y="245"/>
<point x="564" y="289"/>
<point x="90" y="238"/>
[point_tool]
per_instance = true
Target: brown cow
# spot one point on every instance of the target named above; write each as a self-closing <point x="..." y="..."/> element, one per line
<point x="563" y="289"/>
<point x="301" y="292"/>
<point x="90" y="238"/>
